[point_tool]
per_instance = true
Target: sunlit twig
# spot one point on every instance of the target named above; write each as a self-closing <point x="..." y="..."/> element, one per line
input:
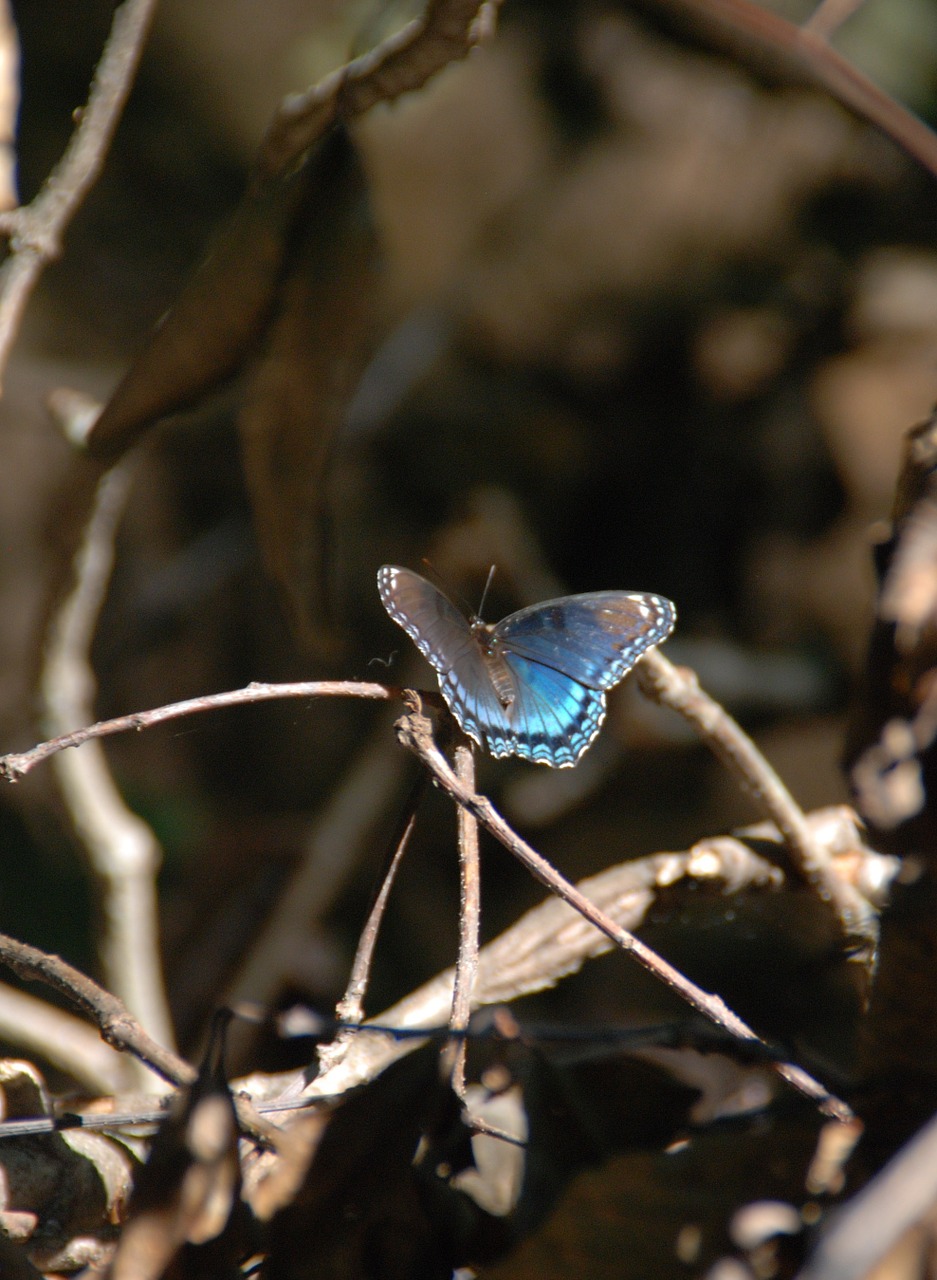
<point x="36" y="230"/>
<point x="17" y="764"/>
<point x="122" y="850"/>
<point x="679" y="689"/>
<point x="115" y="1022"/>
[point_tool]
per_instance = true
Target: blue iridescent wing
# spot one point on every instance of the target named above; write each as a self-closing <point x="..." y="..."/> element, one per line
<point x="553" y="717"/>
<point x="554" y="662"/>
<point x="595" y="639"/>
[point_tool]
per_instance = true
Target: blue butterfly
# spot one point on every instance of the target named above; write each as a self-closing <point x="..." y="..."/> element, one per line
<point x="534" y="684"/>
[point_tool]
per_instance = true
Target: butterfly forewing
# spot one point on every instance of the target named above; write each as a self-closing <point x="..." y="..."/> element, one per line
<point x="445" y="639"/>
<point x="596" y="638"/>
<point x="432" y="622"/>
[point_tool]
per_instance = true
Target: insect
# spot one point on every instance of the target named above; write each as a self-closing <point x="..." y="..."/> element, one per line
<point x="534" y="684"/>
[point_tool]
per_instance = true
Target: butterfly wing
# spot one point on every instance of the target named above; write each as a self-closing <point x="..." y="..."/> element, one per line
<point x="445" y="639"/>
<point x="594" y="639"/>
<point x="561" y="656"/>
<point x="553" y="717"/>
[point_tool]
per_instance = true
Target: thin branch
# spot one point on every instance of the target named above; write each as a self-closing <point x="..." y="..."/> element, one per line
<point x="118" y="1027"/>
<point x="123" y="852"/>
<point x="414" y="732"/>
<point x="36" y="230"/>
<point x="36" y="1027"/>
<point x="829" y="15"/>
<point x="678" y="689"/>
<point x="466" y="969"/>
<point x="340" y="833"/>
<point x="837" y="75"/>
<point x="660" y="680"/>
<point x="350" y="1009"/>
<point x="552" y="941"/>
<point x="444" y="33"/>
<point x="17" y="764"/>
<point x="9" y="105"/>
<point x="548" y="943"/>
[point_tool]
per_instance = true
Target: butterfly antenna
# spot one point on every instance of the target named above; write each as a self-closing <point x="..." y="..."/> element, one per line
<point x="481" y="603"/>
<point x="448" y="589"/>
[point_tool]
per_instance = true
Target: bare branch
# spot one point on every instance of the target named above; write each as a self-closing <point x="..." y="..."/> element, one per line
<point x="340" y="832"/>
<point x="551" y="941"/>
<point x="350" y="1009"/>
<point x="833" y="72"/>
<point x="122" y="850"/>
<point x="466" y="969"/>
<point x="36" y="230"/>
<point x="414" y="732"/>
<point x="115" y="1022"/>
<point x="446" y="32"/>
<point x="17" y="764"/>
<point x="36" y="1027"/>
<point x="678" y="688"/>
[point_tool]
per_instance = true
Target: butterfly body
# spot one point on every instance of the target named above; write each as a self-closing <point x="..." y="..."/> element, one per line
<point x="534" y="684"/>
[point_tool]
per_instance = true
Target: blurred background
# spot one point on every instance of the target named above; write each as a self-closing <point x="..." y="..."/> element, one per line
<point x="641" y="315"/>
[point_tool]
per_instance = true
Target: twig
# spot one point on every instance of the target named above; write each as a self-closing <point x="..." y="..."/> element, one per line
<point x="552" y="941"/>
<point x="837" y="75"/>
<point x="466" y="968"/>
<point x="548" y="943"/>
<point x="339" y="834"/>
<point x="36" y="1027"/>
<point x="350" y="1009"/>
<point x="414" y="732"/>
<point x="9" y="105"/>
<point x="678" y="688"/>
<point x="830" y="14"/>
<point x="36" y="230"/>
<point x="116" y="1023"/>
<point x="122" y="849"/>
<point x="16" y="765"/>
<point x="446" y="32"/>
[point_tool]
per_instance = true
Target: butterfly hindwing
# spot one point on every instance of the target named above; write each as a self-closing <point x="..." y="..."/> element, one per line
<point x="553" y="718"/>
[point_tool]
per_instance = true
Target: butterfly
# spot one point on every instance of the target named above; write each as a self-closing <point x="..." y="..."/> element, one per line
<point x="534" y="684"/>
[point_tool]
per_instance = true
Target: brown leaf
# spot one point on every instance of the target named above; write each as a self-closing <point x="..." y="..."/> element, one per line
<point x="205" y="337"/>
<point x="317" y="348"/>
<point x="58" y="1192"/>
